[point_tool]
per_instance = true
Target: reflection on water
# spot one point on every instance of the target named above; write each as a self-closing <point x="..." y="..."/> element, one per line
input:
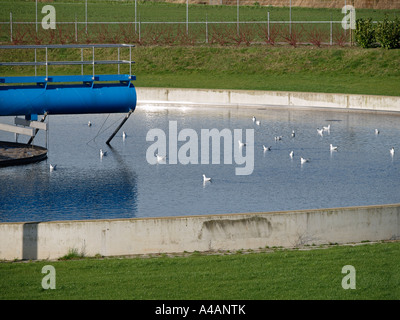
<point x="124" y="185"/>
<point x="33" y="193"/>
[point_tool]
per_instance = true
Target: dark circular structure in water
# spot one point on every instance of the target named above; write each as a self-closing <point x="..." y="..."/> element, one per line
<point x="13" y="153"/>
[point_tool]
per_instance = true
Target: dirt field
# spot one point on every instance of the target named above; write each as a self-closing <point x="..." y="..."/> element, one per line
<point x="358" y="4"/>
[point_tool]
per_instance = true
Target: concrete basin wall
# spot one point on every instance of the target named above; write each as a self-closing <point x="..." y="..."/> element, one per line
<point x="52" y="240"/>
<point x="254" y="98"/>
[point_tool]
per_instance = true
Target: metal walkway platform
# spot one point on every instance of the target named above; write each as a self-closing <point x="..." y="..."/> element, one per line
<point x="47" y="94"/>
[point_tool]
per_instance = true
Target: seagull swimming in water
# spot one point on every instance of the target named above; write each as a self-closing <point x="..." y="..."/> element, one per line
<point x="376" y="131"/>
<point x="53" y="167"/>
<point x="160" y="158"/>
<point x="293" y="134"/>
<point x="89" y="124"/>
<point x="123" y="135"/>
<point x="278" y="138"/>
<point x="254" y="118"/>
<point x="392" y="151"/>
<point x="205" y="179"/>
<point x="333" y="148"/>
<point x="102" y="153"/>
<point x="266" y="148"/>
<point x="327" y="128"/>
<point x="291" y="154"/>
<point x="303" y="160"/>
<point x="320" y="132"/>
<point x="258" y="122"/>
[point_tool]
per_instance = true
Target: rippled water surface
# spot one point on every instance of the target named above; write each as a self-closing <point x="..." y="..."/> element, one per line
<point x="124" y="185"/>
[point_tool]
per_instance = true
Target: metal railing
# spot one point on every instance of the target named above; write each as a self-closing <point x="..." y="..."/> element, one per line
<point x="81" y="62"/>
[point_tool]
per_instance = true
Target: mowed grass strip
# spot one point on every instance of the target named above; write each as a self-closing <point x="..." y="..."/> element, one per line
<point x="332" y="70"/>
<point x="277" y="274"/>
<point x="309" y="69"/>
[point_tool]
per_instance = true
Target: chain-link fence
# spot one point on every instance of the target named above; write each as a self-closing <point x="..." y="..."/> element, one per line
<point x="160" y="23"/>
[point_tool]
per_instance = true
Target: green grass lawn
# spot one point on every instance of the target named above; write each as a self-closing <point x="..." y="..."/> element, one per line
<point x="267" y="275"/>
<point x="331" y="69"/>
<point x="334" y="70"/>
<point x="309" y="69"/>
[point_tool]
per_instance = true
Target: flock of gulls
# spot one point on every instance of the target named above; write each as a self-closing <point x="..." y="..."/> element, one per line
<point x="293" y="134"/>
<point x="103" y="153"/>
<point x="320" y="131"/>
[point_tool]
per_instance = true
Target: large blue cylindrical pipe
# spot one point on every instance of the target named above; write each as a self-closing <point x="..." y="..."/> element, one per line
<point x="77" y="98"/>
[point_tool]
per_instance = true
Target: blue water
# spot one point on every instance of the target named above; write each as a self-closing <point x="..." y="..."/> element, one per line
<point x="124" y="185"/>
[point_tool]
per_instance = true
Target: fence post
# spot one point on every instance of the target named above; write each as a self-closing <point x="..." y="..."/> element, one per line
<point x="290" y="17"/>
<point x="139" y="28"/>
<point x="268" y="26"/>
<point x="76" y="30"/>
<point x="331" y="32"/>
<point x="36" y="9"/>
<point x="135" y="16"/>
<point x="238" y="17"/>
<point x="187" y="16"/>
<point x="11" y="27"/>
<point x="206" y="29"/>
<point x="86" y="15"/>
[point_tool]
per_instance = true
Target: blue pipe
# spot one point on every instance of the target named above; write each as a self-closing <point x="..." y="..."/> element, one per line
<point x="67" y="95"/>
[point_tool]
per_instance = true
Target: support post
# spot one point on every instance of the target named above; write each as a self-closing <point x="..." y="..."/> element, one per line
<point x="119" y="127"/>
<point x="37" y="130"/>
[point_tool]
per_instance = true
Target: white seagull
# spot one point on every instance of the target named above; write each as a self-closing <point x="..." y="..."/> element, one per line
<point x="258" y="122"/>
<point x="320" y="132"/>
<point x="102" y="153"/>
<point x="291" y="154"/>
<point x="278" y="138"/>
<point x="53" y="167"/>
<point x="333" y="148"/>
<point x="327" y="128"/>
<point x="89" y="124"/>
<point x="293" y="134"/>
<point x="241" y="144"/>
<point x="160" y="158"/>
<point x="266" y="148"/>
<point x="254" y="118"/>
<point x="205" y="179"/>
<point x="376" y="131"/>
<point x="392" y="151"/>
<point x="123" y="135"/>
<point x="303" y="160"/>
